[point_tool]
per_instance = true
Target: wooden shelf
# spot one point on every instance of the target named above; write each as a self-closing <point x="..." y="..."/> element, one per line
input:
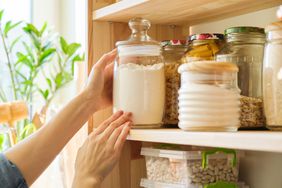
<point x="245" y="140"/>
<point x="180" y="11"/>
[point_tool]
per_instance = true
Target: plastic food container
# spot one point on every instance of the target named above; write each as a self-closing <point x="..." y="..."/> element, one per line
<point x="204" y="46"/>
<point x="209" y="96"/>
<point x="191" y="167"/>
<point x="155" y="184"/>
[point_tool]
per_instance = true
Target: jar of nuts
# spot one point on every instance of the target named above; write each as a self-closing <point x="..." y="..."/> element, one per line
<point x="173" y="51"/>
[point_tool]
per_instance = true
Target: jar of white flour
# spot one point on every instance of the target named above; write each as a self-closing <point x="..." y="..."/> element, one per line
<point x="139" y="80"/>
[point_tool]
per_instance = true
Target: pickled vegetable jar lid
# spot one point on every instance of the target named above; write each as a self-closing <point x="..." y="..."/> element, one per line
<point x="208" y="67"/>
<point x="206" y="36"/>
<point x="174" y="42"/>
<point x="243" y="29"/>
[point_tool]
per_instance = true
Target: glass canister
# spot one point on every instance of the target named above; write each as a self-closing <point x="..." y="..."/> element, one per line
<point x="173" y="51"/>
<point x="272" y="76"/>
<point x="245" y="46"/>
<point x="209" y="96"/>
<point x="204" y="46"/>
<point x="139" y="78"/>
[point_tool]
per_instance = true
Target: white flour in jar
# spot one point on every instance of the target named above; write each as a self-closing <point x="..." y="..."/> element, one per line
<point x="140" y="89"/>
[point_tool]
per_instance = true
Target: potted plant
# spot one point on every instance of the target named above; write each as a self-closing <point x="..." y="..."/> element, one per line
<point x="39" y="62"/>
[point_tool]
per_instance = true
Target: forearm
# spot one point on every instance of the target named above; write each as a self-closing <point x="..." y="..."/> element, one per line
<point x="35" y="153"/>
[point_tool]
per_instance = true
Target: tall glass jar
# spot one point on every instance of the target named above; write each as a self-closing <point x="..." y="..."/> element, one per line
<point x="204" y="46"/>
<point x="272" y="76"/>
<point x="209" y="96"/>
<point x="173" y="51"/>
<point x="139" y="78"/>
<point x="245" y="46"/>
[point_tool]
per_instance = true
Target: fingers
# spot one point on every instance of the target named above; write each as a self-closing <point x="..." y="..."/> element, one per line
<point x="105" y="60"/>
<point x="121" y="139"/>
<point x="107" y="122"/>
<point x="126" y="117"/>
<point x="113" y="138"/>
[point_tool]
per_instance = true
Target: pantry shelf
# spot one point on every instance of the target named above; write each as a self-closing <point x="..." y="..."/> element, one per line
<point x="245" y="140"/>
<point x="179" y="11"/>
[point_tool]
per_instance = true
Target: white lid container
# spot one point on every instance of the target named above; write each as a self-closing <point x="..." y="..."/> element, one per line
<point x="209" y="96"/>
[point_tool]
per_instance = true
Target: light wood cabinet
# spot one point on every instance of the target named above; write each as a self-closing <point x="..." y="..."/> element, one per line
<point x="171" y="19"/>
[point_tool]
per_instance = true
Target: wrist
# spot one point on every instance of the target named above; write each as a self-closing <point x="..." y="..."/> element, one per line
<point x="88" y="102"/>
<point x="87" y="182"/>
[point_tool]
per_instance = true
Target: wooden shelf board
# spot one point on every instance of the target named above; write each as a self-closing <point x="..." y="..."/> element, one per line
<point x="245" y="140"/>
<point x="180" y="11"/>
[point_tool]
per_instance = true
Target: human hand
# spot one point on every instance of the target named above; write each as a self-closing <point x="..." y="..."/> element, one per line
<point x="100" y="84"/>
<point x="101" y="151"/>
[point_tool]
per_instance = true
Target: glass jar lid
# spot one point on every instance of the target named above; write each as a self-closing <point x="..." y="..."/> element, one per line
<point x="206" y="36"/>
<point x="174" y="42"/>
<point x="139" y="42"/>
<point x="274" y="31"/>
<point x="242" y="34"/>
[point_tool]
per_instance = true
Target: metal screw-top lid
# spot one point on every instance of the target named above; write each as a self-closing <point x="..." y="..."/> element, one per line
<point x="206" y="36"/>
<point x="243" y="29"/>
<point x="174" y="42"/>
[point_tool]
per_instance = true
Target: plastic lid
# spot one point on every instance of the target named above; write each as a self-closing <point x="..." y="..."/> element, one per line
<point x="154" y="184"/>
<point x="206" y="36"/>
<point x="244" y="29"/>
<point x="181" y="155"/>
<point x="208" y="67"/>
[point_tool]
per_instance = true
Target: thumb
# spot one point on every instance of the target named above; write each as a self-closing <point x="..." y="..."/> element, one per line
<point x="106" y="59"/>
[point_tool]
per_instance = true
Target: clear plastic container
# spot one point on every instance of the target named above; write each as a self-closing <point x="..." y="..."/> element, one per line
<point x="209" y="96"/>
<point x="155" y="184"/>
<point x="272" y="77"/>
<point x="191" y="167"/>
<point x="139" y="78"/>
<point x="173" y="51"/>
<point x="245" y="49"/>
<point x="204" y="46"/>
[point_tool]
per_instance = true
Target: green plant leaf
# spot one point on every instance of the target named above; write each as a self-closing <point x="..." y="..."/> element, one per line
<point x="72" y="48"/>
<point x="2" y="140"/>
<point x="24" y="59"/>
<point x="28" y="50"/>
<point x="44" y="94"/>
<point x="9" y="26"/>
<point x="47" y="53"/>
<point x="31" y="29"/>
<point x="27" y="82"/>
<point x="64" y="45"/>
<point x="15" y="41"/>
<point x="42" y="30"/>
<point x="49" y="82"/>
<point x="26" y="131"/>
<point x="1" y="15"/>
<point x="59" y="80"/>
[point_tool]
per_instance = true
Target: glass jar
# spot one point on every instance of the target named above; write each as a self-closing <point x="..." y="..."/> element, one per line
<point x="272" y="77"/>
<point x="173" y="51"/>
<point x="204" y="46"/>
<point x="139" y="79"/>
<point x="245" y="46"/>
<point x="209" y="96"/>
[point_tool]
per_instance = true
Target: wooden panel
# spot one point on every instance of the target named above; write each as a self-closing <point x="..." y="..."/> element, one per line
<point x="246" y="140"/>
<point x="180" y="11"/>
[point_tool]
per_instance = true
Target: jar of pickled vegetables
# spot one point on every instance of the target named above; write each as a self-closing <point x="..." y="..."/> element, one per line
<point x="173" y="51"/>
<point x="204" y="46"/>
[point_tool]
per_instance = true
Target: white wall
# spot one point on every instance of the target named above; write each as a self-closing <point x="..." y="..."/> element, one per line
<point x="258" y="169"/>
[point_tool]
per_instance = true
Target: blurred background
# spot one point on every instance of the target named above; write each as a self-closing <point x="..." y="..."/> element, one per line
<point x="66" y="18"/>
